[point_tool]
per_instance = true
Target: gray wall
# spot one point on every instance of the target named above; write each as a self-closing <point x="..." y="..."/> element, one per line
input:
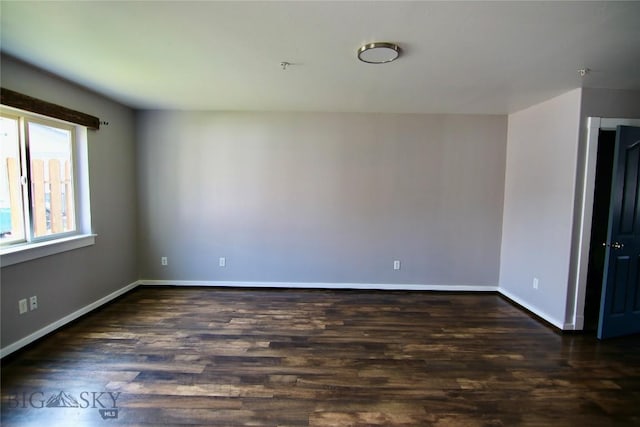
<point x="70" y="281"/>
<point x="305" y="197"/>
<point x="542" y="151"/>
<point x="609" y="103"/>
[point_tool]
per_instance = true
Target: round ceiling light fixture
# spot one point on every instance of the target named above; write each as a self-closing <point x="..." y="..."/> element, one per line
<point x="379" y="52"/>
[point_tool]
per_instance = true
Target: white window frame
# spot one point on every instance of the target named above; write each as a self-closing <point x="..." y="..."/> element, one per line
<point x="33" y="248"/>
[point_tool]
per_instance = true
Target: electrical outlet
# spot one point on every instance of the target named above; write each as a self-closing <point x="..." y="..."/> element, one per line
<point x="222" y="262"/>
<point x="22" y="306"/>
<point x="535" y="283"/>
<point x="396" y="265"/>
<point x="164" y="260"/>
<point x="33" y="303"/>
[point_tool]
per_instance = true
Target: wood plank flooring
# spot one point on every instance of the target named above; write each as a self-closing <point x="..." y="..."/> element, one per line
<point x="251" y="357"/>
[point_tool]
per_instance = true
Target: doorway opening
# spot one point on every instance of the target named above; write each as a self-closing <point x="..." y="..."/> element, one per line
<point x="599" y="224"/>
<point x="581" y="258"/>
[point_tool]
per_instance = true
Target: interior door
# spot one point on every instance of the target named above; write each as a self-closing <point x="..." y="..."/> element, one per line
<point x="620" y="302"/>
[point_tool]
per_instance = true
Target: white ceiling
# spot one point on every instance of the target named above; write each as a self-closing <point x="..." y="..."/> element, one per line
<point x="459" y="57"/>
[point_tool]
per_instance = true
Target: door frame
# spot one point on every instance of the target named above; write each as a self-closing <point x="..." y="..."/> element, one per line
<point x="594" y="124"/>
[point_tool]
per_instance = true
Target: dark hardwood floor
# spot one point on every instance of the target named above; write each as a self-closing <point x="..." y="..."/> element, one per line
<point x="247" y="357"/>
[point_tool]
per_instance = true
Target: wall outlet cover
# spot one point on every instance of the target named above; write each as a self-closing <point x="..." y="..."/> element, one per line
<point x="22" y="306"/>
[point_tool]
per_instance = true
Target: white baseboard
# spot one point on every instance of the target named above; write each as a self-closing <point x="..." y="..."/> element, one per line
<point x="321" y="285"/>
<point x="535" y="310"/>
<point x="577" y="326"/>
<point x="66" y="319"/>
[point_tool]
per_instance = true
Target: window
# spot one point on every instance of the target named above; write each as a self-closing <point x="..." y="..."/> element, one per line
<point x="42" y="178"/>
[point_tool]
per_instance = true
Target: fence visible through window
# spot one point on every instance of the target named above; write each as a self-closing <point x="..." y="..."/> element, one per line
<point x="45" y="189"/>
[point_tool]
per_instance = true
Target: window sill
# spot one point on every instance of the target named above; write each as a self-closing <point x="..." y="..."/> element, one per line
<point x="21" y="253"/>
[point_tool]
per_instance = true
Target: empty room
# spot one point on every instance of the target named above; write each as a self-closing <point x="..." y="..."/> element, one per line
<point x="320" y="213"/>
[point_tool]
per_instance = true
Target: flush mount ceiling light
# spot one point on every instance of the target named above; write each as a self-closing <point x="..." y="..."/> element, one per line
<point x="379" y="52"/>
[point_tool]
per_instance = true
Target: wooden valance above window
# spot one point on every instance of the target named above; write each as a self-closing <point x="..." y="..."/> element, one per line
<point x="34" y="105"/>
